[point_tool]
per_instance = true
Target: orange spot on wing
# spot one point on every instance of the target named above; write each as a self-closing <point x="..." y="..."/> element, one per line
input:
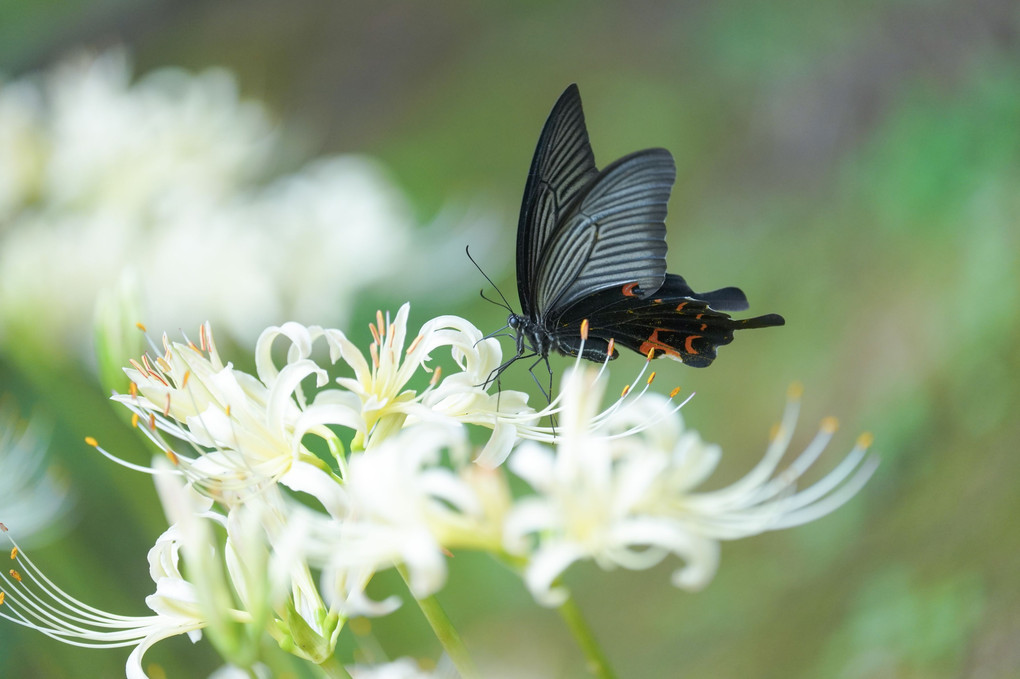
<point x="689" y="344"/>
<point x="680" y="306"/>
<point x="628" y="289"/>
<point x="653" y="347"/>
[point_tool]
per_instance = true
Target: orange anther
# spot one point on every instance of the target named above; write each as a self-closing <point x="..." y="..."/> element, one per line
<point x="414" y="344"/>
<point x="774" y="431"/>
<point x="829" y="425"/>
<point x="15" y="574"/>
<point x="91" y="441"/>
<point x="584" y="330"/>
<point x="651" y="377"/>
<point x="141" y="327"/>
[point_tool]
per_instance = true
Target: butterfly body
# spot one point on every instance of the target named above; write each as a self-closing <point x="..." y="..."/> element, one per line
<point x="591" y="246"/>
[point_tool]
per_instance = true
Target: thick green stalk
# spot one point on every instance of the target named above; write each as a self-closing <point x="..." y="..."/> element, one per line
<point x="334" y="669"/>
<point x="445" y="632"/>
<point x="598" y="664"/>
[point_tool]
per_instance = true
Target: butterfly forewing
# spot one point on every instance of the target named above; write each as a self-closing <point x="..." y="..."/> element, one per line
<point x="615" y="234"/>
<point x="562" y="168"/>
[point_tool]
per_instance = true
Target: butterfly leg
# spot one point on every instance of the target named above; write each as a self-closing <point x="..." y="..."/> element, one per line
<point x="547" y="394"/>
<point x="498" y="370"/>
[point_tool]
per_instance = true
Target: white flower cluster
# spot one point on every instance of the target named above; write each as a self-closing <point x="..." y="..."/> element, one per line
<point x="173" y="182"/>
<point x="329" y="465"/>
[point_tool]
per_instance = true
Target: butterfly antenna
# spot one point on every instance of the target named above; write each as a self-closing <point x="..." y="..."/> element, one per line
<point x="506" y="304"/>
<point x="488" y="299"/>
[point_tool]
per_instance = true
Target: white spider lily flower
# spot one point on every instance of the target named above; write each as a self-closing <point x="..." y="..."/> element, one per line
<point x="407" y="508"/>
<point x="630" y="500"/>
<point x="377" y="401"/>
<point x="32" y="498"/>
<point x="259" y="569"/>
<point x="241" y="432"/>
<point x="30" y="599"/>
<point x="232" y="598"/>
<point x="236" y="433"/>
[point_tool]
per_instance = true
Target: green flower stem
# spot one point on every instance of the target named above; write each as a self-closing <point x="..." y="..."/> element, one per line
<point x="445" y="632"/>
<point x="334" y="669"/>
<point x="598" y="664"/>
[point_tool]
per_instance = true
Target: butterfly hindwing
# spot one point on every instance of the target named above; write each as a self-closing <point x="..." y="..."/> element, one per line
<point x="562" y="168"/>
<point x="674" y="321"/>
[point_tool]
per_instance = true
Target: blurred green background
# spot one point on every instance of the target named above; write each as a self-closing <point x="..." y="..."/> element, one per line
<point x="852" y="165"/>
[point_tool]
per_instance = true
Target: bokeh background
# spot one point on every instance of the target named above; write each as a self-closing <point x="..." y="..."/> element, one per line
<point x="853" y="166"/>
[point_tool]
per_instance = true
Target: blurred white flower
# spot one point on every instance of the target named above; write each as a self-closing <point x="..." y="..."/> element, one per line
<point x="32" y="498"/>
<point x="258" y="671"/>
<point x="175" y="179"/>
<point x="629" y="501"/>
<point x="22" y="146"/>
<point x="405" y="507"/>
<point x="403" y="668"/>
<point x="136" y="148"/>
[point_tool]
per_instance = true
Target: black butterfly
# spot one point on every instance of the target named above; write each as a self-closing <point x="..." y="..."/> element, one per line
<point x="591" y="246"/>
